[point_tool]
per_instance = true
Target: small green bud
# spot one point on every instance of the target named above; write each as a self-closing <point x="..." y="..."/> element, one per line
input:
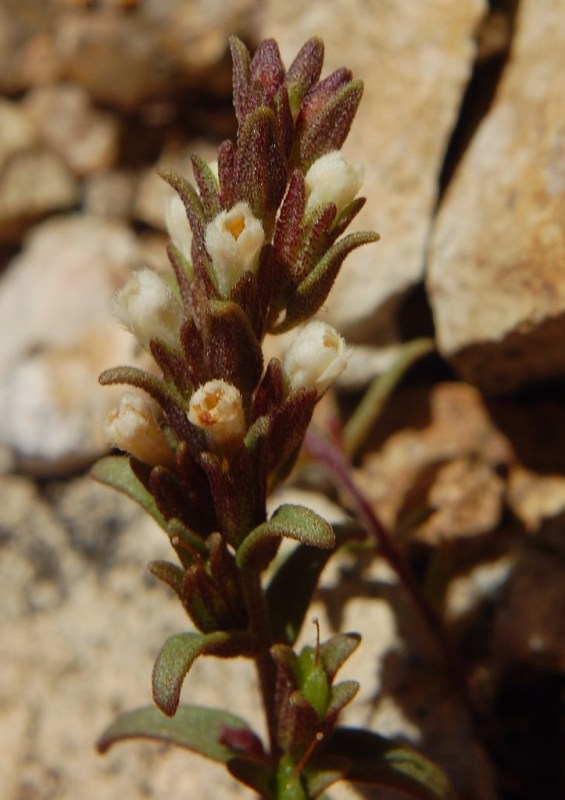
<point x="313" y="681"/>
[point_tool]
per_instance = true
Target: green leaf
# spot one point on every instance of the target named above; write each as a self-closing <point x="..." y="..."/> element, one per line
<point x="329" y="772"/>
<point x="178" y="654"/>
<point x="381" y="762"/>
<point x="291" y="521"/>
<point x="253" y="773"/>
<point x="193" y="727"/>
<point x="337" y="650"/>
<point x="116" y="471"/>
<point x="171" y="574"/>
<point x="290" y="591"/>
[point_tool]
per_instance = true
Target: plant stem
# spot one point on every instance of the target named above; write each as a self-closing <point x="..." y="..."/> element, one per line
<point x="333" y="458"/>
<point x="259" y="627"/>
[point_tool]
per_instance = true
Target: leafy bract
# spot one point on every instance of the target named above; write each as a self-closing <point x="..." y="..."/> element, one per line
<point x="193" y="727"/>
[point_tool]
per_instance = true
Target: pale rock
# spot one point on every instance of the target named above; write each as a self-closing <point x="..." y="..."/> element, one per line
<point x="32" y="184"/>
<point x="56" y="336"/>
<point x="437" y="475"/>
<point x="535" y="498"/>
<point x="415" y="59"/>
<point x="496" y="280"/>
<point x="25" y="44"/>
<point x="109" y="193"/>
<point x="17" y="132"/>
<point x="155" y="50"/>
<point x="86" y="139"/>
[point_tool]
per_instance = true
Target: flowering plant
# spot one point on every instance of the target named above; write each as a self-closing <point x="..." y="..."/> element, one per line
<point x="254" y="249"/>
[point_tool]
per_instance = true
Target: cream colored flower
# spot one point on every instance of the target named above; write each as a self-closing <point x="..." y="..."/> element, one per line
<point x="332" y="179"/>
<point x="146" y="307"/>
<point x="234" y="240"/>
<point x="133" y="427"/>
<point x="316" y="357"/>
<point x="178" y="226"/>
<point x="217" y="407"/>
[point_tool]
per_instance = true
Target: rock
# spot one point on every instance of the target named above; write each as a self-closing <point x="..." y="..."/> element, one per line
<point x="415" y="60"/>
<point x="156" y="50"/>
<point x="109" y="194"/>
<point x="56" y="335"/>
<point x="495" y="280"/>
<point x="17" y="132"/>
<point x="437" y="474"/>
<point x="86" y="140"/>
<point x="33" y="184"/>
<point x="75" y="619"/>
<point x="25" y="44"/>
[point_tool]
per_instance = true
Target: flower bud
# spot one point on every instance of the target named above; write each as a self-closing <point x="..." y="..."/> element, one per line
<point x="133" y="427"/>
<point x="316" y="357"/>
<point x="234" y="240"/>
<point x="146" y="307"/>
<point x="178" y="226"/>
<point x="332" y="179"/>
<point x="217" y="406"/>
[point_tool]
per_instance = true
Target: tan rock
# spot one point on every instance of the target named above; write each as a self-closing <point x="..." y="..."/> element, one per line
<point x="436" y="475"/>
<point x="33" y="184"/>
<point x="17" y="132"/>
<point x="86" y="140"/>
<point x="496" y="280"/>
<point x="415" y="59"/>
<point x="109" y="193"/>
<point x="56" y="335"/>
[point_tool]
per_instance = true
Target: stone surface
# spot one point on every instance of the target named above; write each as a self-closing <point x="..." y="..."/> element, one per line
<point x="496" y="278"/>
<point x="17" y="131"/>
<point x="436" y="474"/>
<point x="86" y="140"/>
<point x="32" y="184"/>
<point x="56" y="337"/>
<point x="415" y="59"/>
<point x="122" y="52"/>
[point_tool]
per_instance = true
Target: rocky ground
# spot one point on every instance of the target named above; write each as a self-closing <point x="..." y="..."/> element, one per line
<point x="462" y="134"/>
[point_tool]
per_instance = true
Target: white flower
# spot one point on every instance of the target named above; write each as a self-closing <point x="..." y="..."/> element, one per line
<point x="133" y="427"/>
<point x="332" y="179"/>
<point x="217" y="406"/>
<point x="178" y="226"/>
<point x="146" y="307"/>
<point x="316" y="357"/>
<point x="234" y="240"/>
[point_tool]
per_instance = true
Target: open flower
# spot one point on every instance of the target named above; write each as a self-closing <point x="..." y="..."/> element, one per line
<point x="332" y="179"/>
<point x="146" y="307"/>
<point x="234" y="240"/>
<point x="316" y="357"/>
<point x="134" y="428"/>
<point x="178" y="226"/>
<point x="217" y="407"/>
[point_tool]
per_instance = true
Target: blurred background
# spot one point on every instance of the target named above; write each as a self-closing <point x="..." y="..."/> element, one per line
<point x="462" y="136"/>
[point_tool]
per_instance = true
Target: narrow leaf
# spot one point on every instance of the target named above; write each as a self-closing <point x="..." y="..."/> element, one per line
<point x="291" y="588"/>
<point x="193" y="727"/>
<point x="116" y="471"/>
<point x="381" y="762"/>
<point x="303" y="525"/>
<point x="171" y="574"/>
<point x="290" y="521"/>
<point x="254" y="773"/>
<point x="177" y="656"/>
